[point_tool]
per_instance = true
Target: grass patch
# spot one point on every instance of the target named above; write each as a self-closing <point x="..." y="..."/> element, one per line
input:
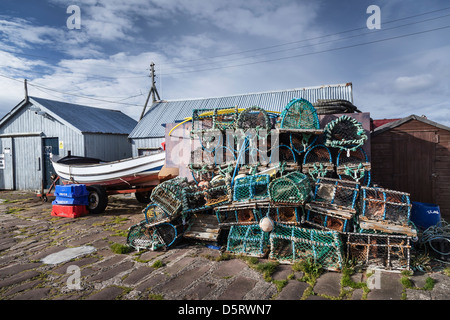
<point x="14" y="210"/>
<point x="157" y="264"/>
<point x="153" y="296"/>
<point x="408" y="284"/>
<point x="120" y="248"/>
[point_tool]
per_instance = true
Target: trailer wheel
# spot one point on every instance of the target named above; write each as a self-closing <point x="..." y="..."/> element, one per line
<point x="143" y="197"/>
<point x="98" y="199"/>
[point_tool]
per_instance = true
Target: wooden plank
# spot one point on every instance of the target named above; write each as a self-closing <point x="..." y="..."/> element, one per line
<point x="386" y="227"/>
<point x="320" y="208"/>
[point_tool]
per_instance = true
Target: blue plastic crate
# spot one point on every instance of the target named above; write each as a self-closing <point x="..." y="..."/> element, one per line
<point x="82" y="201"/>
<point x="71" y="190"/>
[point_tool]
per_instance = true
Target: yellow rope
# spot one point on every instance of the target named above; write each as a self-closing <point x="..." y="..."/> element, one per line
<point x="210" y="113"/>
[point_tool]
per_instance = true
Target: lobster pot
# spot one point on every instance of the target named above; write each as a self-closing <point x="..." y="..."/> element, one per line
<point x="254" y="118"/>
<point x="301" y="142"/>
<point x="299" y="114"/>
<point x="379" y="251"/>
<point x="229" y="216"/>
<point x="155" y="215"/>
<point x="344" y="133"/>
<point x="253" y="187"/>
<point x="323" y="218"/>
<point x="202" y="119"/>
<point x="196" y="199"/>
<point x="167" y="195"/>
<point x="353" y="166"/>
<point x="289" y="244"/>
<point x="143" y="236"/>
<point x="225" y="118"/>
<point x="282" y="154"/>
<point x="317" y="162"/>
<point x="201" y="159"/>
<point x="383" y="204"/>
<point x="290" y="215"/>
<point x="248" y="240"/>
<point x="291" y="189"/>
<point x="335" y="193"/>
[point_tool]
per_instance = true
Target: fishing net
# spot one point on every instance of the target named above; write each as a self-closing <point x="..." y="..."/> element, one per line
<point x="249" y="240"/>
<point x="293" y="188"/>
<point x="344" y="133"/>
<point x="317" y="162"/>
<point x="299" y="114"/>
<point x="384" y="204"/>
<point x="291" y="243"/>
<point x="143" y="236"/>
<point x="353" y="166"/>
<point x="379" y="251"/>
<point x="253" y="187"/>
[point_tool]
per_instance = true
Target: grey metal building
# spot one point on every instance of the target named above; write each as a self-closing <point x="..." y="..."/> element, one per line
<point x="37" y="127"/>
<point x="149" y="133"/>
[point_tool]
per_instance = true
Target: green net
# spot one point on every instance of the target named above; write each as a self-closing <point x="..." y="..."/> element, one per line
<point x="143" y="236"/>
<point x="293" y="188"/>
<point x="253" y="187"/>
<point x="379" y="251"/>
<point x="254" y="118"/>
<point x="344" y="133"/>
<point x="291" y="243"/>
<point x="336" y="193"/>
<point x="249" y="240"/>
<point x="353" y="166"/>
<point x="299" y="114"/>
<point x="167" y="195"/>
<point x="155" y="215"/>
<point x="318" y="163"/>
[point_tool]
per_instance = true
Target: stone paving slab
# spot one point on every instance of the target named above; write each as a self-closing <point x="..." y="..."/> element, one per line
<point x="189" y="271"/>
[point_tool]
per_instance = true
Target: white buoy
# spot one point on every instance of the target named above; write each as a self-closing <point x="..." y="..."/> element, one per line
<point x="266" y="224"/>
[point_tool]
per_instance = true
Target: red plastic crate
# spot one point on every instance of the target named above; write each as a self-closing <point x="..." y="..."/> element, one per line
<point x="69" y="211"/>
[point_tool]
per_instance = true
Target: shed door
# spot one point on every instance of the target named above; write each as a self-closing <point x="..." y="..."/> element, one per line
<point x="414" y="158"/>
<point x="50" y="146"/>
<point x="7" y="168"/>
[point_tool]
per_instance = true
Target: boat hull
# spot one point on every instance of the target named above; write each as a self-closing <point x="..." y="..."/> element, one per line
<point x="133" y="172"/>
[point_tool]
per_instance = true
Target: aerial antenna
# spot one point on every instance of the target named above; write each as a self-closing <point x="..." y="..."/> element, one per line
<point x="153" y="91"/>
<point x="25" y="85"/>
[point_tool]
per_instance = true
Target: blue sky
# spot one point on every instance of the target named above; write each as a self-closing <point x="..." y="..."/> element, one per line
<point x="209" y="48"/>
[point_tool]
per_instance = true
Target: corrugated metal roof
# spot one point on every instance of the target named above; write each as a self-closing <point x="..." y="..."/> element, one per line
<point x="88" y="119"/>
<point x="162" y="112"/>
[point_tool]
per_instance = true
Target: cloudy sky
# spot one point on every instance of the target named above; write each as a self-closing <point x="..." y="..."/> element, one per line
<point x="210" y="48"/>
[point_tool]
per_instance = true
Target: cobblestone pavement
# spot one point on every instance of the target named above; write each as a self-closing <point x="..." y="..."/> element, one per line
<point x="190" y="271"/>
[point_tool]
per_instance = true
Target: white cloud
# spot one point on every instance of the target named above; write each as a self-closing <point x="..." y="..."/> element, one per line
<point x="414" y="84"/>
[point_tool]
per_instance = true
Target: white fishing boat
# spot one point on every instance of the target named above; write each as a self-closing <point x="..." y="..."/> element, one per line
<point x="131" y="172"/>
